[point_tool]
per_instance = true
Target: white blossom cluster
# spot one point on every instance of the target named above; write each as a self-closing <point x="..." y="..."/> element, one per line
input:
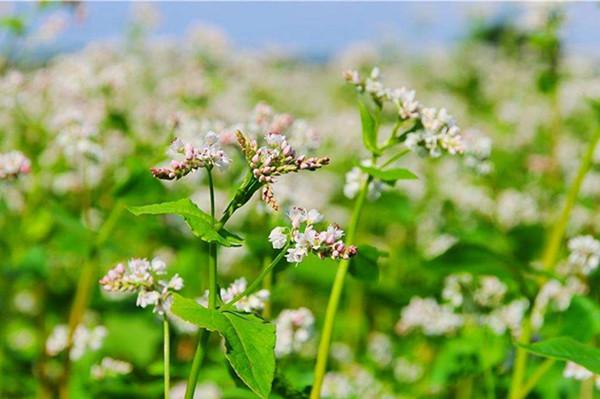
<point x="514" y="208"/>
<point x="436" y="130"/>
<point x="252" y="303"/>
<point x="208" y="156"/>
<point x="145" y="278"/>
<point x="478" y="149"/>
<point x="481" y="299"/>
<point x="555" y="295"/>
<point x="355" y="179"/>
<point x="429" y="316"/>
<point x="584" y="254"/>
<point x="380" y="349"/>
<point x="13" y="164"/>
<point x="109" y="367"/>
<point x="576" y="372"/>
<point x="276" y="158"/>
<point x="306" y="239"/>
<point x="84" y="339"/>
<point x="354" y="382"/>
<point x="406" y="371"/>
<point x="294" y="327"/>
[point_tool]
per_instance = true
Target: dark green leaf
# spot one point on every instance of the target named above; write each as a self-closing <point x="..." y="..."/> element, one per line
<point x="370" y="126"/>
<point x="201" y="224"/>
<point x="249" y="340"/>
<point x="565" y="348"/>
<point x="389" y="175"/>
<point x="364" y="265"/>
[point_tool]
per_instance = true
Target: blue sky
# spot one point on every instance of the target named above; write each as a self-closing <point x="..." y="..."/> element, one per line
<point x="313" y="28"/>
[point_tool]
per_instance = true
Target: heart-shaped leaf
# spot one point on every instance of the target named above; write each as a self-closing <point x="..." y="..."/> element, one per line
<point x="565" y="348"/>
<point x="249" y="341"/>
<point x="201" y="223"/>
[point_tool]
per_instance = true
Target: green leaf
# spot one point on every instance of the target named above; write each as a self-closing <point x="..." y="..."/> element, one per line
<point x="581" y="320"/>
<point x="249" y="341"/>
<point x="565" y="348"/>
<point x="370" y="126"/>
<point x="364" y="266"/>
<point x="389" y="175"/>
<point x="201" y="224"/>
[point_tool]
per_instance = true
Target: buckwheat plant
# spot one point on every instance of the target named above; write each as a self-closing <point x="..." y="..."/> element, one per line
<point x="426" y="131"/>
<point x="145" y="278"/>
<point x="249" y="339"/>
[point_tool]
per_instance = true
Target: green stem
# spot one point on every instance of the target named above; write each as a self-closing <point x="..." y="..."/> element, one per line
<point x="558" y="231"/>
<point x="166" y="354"/>
<point x="549" y="259"/>
<point x="395" y="158"/>
<point x="267" y="285"/>
<point x="196" y="364"/>
<point x="536" y="376"/>
<point x="257" y="281"/>
<point x="203" y="335"/>
<point x="334" y="297"/>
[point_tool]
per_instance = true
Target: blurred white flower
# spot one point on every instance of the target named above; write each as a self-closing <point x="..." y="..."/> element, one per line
<point x="294" y="327"/>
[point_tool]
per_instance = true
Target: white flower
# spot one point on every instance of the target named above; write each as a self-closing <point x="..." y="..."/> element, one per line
<point x="13" y="164"/>
<point x="146" y="298"/>
<point x="144" y="277"/>
<point x="585" y="254"/>
<point x="109" y="367"/>
<point x="84" y="339"/>
<point x="576" y="372"/>
<point x="297" y="216"/>
<point x="294" y="328"/>
<point x="278" y="237"/>
<point x="428" y="315"/>
<point x="296" y="254"/>
<point x="176" y="283"/>
<point x="490" y="292"/>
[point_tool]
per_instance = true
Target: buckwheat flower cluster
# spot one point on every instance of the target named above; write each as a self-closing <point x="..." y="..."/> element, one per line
<point x="439" y="134"/>
<point x="306" y="239"/>
<point x="507" y="317"/>
<point x="85" y="339"/>
<point x="294" y="327"/>
<point x="145" y="278"/>
<point x="557" y="296"/>
<point x="580" y="373"/>
<point x="251" y="303"/>
<point x="478" y="149"/>
<point x="208" y="156"/>
<point x="354" y="180"/>
<point x="584" y="254"/>
<point x="435" y="131"/>
<point x="275" y="158"/>
<point x="13" y="164"/>
<point x="429" y="316"/>
<point x="380" y="349"/>
<point x="109" y="367"/>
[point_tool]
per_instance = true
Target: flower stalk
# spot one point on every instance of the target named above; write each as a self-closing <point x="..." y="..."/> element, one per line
<point x="334" y="298"/>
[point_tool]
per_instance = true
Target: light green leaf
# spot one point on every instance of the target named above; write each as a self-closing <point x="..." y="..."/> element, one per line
<point x="370" y="127"/>
<point x="201" y="223"/>
<point x="249" y="341"/>
<point x="389" y="175"/>
<point x="565" y="348"/>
